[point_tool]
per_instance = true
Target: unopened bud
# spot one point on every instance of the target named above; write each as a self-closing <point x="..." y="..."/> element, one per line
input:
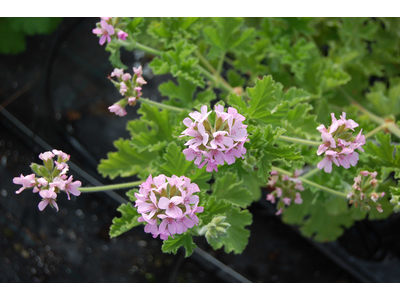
<point x="216" y="229"/>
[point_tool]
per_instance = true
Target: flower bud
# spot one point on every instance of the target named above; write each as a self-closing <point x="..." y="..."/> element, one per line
<point x="215" y="229"/>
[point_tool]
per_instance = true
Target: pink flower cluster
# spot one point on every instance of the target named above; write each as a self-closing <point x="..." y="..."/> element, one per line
<point x="339" y="144"/>
<point x="363" y="193"/>
<point x="168" y="205"/>
<point x="128" y="86"/>
<point x="214" y="143"/>
<point x="285" y="189"/>
<point x="53" y="179"/>
<point x="107" y="28"/>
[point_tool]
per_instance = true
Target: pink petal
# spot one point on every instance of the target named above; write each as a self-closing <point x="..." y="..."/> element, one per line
<point x="42" y="204"/>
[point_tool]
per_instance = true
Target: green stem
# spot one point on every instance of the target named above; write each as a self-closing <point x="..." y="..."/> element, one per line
<point x="109" y="187"/>
<point x="377" y="129"/>
<point x="148" y="49"/>
<point x="205" y="62"/>
<point x="304" y="180"/>
<point x="160" y="105"/>
<point x="219" y="67"/>
<point x="300" y="141"/>
<point x="309" y="174"/>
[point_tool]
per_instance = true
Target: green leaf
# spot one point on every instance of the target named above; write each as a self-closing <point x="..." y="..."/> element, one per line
<point x="230" y="188"/>
<point x="228" y="34"/>
<point x="314" y="219"/>
<point x="115" y="55"/>
<point x="292" y="54"/>
<point x="127" y="161"/>
<point x="127" y="221"/>
<point x="385" y="101"/>
<point x="179" y="63"/>
<point x="262" y="96"/>
<point x="299" y="121"/>
<point x="383" y="154"/>
<point x="333" y="76"/>
<point x="183" y="240"/>
<point x="293" y="95"/>
<point x="212" y="207"/>
<point x="175" y="161"/>
<point x="238" y="236"/>
<point x="160" y="132"/>
<point x="184" y="94"/>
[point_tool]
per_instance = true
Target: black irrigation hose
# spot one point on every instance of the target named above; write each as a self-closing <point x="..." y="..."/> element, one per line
<point x="205" y="259"/>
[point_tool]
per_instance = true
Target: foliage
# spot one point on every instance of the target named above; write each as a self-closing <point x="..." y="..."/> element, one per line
<point x="285" y="76"/>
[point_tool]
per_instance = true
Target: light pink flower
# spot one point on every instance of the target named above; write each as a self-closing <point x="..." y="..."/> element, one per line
<point x="141" y="81"/>
<point x="117" y="73"/>
<point x="171" y="206"/>
<point x="46" y="155"/>
<point x="64" y="156"/>
<point x="49" y="197"/>
<point x="105" y="31"/>
<point x="123" y="88"/>
<point x="72" y="187"/>
<point x="138" y="71"/>
<point x="27" y="181"/>
<point x="286" y="200"/>
<point x="298" y="199"/>
<point x="117" y="109"/>
<point x="126" y="77"/>
<point x="122" y="35"/>
<point x="271" y="197"/>
<point x="326" y="163"/>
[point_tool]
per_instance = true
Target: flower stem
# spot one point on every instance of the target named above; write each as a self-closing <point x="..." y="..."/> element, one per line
<point x="160" y="105"/>
<point x="310" y="173"/>
<point x="219" y="67"/>
<point x="148" y="49"/>
<point x="377" y="129"/>
<point x="392" y="127"/>
<point x="304" y="180"/>
<point x="109" y="187"/>
<point x="300" y="141"/>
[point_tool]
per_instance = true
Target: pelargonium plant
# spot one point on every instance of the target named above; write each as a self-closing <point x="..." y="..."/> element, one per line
<point x="245" y="112"/>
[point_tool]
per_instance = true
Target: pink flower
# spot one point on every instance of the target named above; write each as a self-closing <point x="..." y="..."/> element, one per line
<point x="123" y="88"/>
<point x="27" y="181"/>
<point x="122" y="35"/>
<point x="117" y="73"/>
<point x="270" y="197"/>
<point x="126" y="77"/>
<point x="141" y="81"/>
<point x="286" y="200"/>
<point x="171" y="206"/>
<point x="105" y="31"/>
<point x="217" y="143"/>
<point x="326" y="163"/>
<point x="168" y="205"/>
<point x="138" y="71"/>
<point x="298" y="199"/>
<point x="49" y="197"/>
<point x="117" y="109"/>
<point x="132" y="100"/>
<point x="105" y="18"/>
<point x="278" y="212"/>
<point x="72" y="187"/>
<point x="46" y="155"/>
<point x="64" y="156"/>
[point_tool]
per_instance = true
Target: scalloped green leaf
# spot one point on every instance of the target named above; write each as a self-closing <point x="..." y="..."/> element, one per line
<point x="179" y="63"/>
<point x="183" y="240"/>
<point x="127" y="161"/>
<point x="383" y="154"/>
<point x="231" y="189"/>
<point x="238" y="235"/>
<point x="126" y="222"/>
<point x="228" y="34"/>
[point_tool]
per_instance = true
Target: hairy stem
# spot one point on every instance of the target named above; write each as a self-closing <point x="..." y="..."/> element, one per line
<point x="304" y="180"/>
<point x="392" y="127"/>
<point x="310" y="173"/>
<point x="160" y="105"/>
<point x="299" y="141"/>
<point x="377" y="129"/>
<point x="109" y="187"/>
